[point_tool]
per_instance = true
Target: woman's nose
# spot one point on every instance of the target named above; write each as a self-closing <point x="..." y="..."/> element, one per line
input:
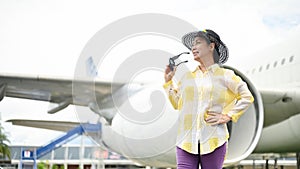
<point x="193" y="47"/>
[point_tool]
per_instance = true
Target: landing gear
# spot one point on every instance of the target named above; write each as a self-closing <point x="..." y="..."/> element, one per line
<point x="267" y="163"/>
<point x="298" y="160"/>
<point x="275" y="163"/>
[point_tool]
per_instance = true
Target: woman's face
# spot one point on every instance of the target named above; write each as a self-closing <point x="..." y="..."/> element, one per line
<point x="201" y="48"/>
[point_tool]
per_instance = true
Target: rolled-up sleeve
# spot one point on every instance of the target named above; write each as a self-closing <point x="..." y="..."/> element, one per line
<point x="243" y="95"/>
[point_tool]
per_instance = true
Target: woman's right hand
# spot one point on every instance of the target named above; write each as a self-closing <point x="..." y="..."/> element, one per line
<point x="169" y="74"/>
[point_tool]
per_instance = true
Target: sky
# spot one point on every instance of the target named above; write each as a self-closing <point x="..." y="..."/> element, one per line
<point x="46" y="37"/>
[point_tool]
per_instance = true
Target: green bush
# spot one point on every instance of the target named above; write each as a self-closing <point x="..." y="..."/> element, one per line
<point x="54" y="166"/>
<point x="41" y="165"/>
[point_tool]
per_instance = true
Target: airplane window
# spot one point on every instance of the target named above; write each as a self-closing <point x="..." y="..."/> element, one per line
<point x="268" y="66"/>
<point x="260" y="68"/>
<point x="253" y="70"/>
<point x="282" y="62"/>
<point x="275" y="63"/>
<point x="291" y="58"/>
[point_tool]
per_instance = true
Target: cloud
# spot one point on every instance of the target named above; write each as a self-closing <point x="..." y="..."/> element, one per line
<point x="283" y="22"/>
<point x="280" y="14"/>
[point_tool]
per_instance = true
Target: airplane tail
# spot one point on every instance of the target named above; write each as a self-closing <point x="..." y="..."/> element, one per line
<point x="91" y="68"/>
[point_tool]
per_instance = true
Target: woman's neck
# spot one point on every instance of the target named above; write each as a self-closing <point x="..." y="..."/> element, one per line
<point x="205" y="63"/>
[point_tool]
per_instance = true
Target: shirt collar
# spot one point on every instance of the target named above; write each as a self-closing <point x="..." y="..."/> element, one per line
<point x="211" y="68"/>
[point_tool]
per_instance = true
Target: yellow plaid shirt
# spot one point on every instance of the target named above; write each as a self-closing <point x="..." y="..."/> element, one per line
<point x="218" y="90"/>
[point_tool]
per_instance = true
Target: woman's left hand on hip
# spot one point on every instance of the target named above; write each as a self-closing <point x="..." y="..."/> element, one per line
<point x="217" y="118"/>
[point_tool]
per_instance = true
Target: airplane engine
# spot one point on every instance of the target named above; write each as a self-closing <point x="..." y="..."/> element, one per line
<point x="245" y="134"/>
<point x="150" y="139"/>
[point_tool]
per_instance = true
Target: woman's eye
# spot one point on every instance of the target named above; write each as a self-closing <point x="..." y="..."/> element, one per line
<point x="196" y="43"/>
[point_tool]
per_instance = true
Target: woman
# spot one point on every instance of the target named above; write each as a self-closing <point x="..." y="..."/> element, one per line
<point x="207" y="99"/>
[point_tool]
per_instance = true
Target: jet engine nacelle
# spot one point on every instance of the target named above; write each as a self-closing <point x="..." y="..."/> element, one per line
<point x="153" y="142"/>
<point x="245" y="134"/>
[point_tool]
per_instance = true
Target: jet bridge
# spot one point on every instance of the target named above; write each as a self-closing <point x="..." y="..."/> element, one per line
<point x="70" y="135"/>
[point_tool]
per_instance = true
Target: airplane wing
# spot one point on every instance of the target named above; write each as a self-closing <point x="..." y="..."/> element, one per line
<point x="63" y="126"/>
<point x="60" y="91"/>
<point x="56" y="90"/>
<point x="276" y="102"/>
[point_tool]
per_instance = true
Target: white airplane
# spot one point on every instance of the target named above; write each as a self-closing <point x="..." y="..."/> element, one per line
<point x="270" y="125"/>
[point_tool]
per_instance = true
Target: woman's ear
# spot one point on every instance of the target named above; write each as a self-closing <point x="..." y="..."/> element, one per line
<point x="212" y="46"/>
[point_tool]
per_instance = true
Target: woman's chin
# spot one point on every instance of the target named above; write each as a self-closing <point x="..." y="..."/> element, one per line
<point x="196" y="58"/>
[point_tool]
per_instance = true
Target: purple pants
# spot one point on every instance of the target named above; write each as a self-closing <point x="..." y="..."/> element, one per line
<point x="213" y="160"/>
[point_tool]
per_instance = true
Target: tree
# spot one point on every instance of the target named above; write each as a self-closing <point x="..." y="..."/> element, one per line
<point x="4" y="148"/>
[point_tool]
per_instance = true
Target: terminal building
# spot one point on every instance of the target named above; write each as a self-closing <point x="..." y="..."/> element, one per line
<point x="81" y="153"/>
<point x="72" y="157"/>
